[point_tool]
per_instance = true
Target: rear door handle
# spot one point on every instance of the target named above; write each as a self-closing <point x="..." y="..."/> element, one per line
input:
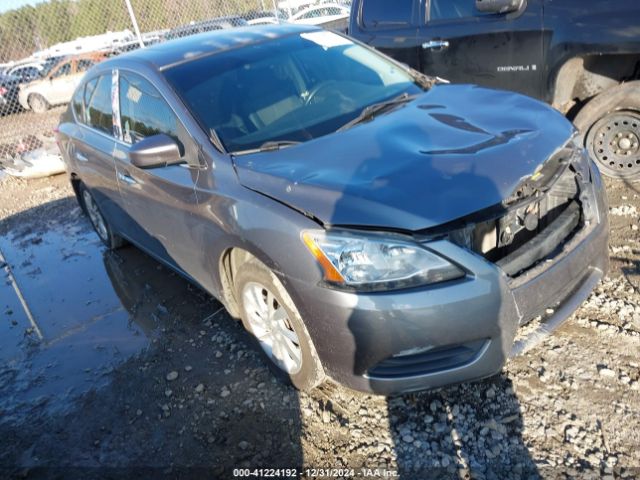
<point x="126" y="178"/>
<point x="81" y="157"/>
<point x="435" y="45"/>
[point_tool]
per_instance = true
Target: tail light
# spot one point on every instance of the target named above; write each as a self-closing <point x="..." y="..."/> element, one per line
<point x="3" y="90"/>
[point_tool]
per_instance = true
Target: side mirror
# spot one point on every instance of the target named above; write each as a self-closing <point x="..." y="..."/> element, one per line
<point x="156" y="151"/>
<point x="499" y="6"/>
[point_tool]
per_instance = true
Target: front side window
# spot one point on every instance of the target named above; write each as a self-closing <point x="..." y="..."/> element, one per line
<point x="452" y="9"/>
<point x="97" y="108"/>
<point x="26" y="72"/>
<point x="32" y="72"/>
<point x="294" y="88"/>
<point x="143" y="111"/>
<point x="62" y="71"/>
<point x="380" y="13"/>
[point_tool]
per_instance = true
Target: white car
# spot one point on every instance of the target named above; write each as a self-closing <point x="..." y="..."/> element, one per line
<point x="59" y="84"/>
<point x="320" y="14"/>
<point x="26" y="72"/>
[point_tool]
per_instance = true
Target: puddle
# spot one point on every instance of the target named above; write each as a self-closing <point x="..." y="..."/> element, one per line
<point x="85" y="311"/>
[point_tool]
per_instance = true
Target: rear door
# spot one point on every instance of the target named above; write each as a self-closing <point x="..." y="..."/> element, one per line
<point x="93" y="144"/>
<point x="160" y="201"/>
<point x="463" y="45"/>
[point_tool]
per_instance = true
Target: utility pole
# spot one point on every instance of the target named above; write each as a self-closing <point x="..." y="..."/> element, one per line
<point x="134" y="22"/>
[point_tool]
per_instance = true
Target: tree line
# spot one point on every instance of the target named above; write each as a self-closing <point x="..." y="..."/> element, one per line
<point x="31" y="28"/>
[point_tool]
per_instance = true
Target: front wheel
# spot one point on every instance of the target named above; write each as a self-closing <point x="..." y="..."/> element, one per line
<point x="610" y="124"/>
<point x="269" y="315"/>
<point x="38" y="103"/>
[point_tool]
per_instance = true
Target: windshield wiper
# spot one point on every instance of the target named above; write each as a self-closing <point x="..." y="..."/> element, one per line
<point x="370" y="112"/>
<point x="426" y="81"/>
<point x="270" y="146"/>
<point x="277" y="145"/>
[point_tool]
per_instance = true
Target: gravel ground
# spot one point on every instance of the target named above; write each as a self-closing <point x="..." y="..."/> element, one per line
<point x="197" y="399"/>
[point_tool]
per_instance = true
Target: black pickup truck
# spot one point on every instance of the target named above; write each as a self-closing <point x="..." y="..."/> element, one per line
<point x="581" y="56"/>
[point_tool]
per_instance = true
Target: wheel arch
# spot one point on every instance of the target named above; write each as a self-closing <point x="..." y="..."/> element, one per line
<point x="75" y="180"/>
<point x="580" y="78"/>
<point x="229" y="262"/>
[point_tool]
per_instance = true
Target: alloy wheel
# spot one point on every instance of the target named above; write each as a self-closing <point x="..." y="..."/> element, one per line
<point x="270" y="324"/>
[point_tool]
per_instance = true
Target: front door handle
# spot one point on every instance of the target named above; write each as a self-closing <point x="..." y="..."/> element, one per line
<point x="435" y="45"/>
<point x="81" y="157"/>
<point x="126" y="178"/>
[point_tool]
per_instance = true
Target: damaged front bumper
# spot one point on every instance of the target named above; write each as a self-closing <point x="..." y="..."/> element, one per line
<point x="465" y="329"/>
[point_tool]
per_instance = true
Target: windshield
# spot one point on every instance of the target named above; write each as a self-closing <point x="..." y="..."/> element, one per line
<point x="291" y="89"/>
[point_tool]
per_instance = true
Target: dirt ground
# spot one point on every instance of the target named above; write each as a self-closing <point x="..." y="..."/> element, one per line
<point x="118" y="368"/>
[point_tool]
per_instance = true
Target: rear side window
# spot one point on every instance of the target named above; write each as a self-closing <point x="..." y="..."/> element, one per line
<point x="78" y="105"/>
<point x="143" y="111"/>
<point x="84" y="65"/>
<point x="98" y="111"/>
<point x="383" y="13"/>
<point x="452" y="9"/>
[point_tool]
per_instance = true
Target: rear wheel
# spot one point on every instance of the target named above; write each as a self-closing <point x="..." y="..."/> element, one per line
<point x="99" y="223"/>
<point x="268" y="313"/>
<point x="611" y="127"/>
<point x="38" y="103"/>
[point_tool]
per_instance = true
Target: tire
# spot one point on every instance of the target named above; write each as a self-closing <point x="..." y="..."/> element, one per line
<point x="38" y="103"/>
<point x="98" y="221"/>
<point x="253" y="277"/>
<point x="610" y="125"/>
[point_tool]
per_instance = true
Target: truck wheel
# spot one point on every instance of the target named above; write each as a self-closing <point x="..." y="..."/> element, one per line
<point x="38" y="103"/>
<point x="269" y="315"/>
<point x="98" y="222"/>
<point x="610" y="124"/>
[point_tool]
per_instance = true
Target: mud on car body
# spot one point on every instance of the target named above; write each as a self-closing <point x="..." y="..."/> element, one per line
<point x="364" y="221"/>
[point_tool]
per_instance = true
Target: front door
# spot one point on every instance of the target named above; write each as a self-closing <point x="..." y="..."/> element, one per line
<point x="463" y="45"/>
<point x="160" y="201"/>
<point x="62" y="82"/>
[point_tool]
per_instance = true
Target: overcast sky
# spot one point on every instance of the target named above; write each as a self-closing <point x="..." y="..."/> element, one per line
<point x="13" y="4"/>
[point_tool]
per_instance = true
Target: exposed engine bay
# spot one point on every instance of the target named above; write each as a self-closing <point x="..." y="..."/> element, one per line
<point x="542" y="214"/>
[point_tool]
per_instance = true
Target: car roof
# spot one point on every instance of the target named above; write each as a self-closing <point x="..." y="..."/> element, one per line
<point x="166" y="54"/>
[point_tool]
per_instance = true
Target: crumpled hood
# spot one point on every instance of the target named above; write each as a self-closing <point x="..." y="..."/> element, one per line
<point x="451" y="152"/>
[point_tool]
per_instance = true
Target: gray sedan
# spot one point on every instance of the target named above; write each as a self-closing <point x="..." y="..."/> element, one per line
<point x="365" y="222"/>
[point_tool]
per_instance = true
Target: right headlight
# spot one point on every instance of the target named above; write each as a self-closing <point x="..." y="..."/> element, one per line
<point x="370" y="263"/>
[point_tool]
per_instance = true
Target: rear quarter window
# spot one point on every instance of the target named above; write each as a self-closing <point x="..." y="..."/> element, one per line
<point x="386" y="14"/>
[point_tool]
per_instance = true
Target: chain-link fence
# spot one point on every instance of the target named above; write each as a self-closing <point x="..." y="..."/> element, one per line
<point x="46" y="48"/>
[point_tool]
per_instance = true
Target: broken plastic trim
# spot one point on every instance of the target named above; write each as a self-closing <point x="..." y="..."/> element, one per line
<point x="543" y="244"/>
<point x="540" y="181"/>
<point x="544" y="212"/>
